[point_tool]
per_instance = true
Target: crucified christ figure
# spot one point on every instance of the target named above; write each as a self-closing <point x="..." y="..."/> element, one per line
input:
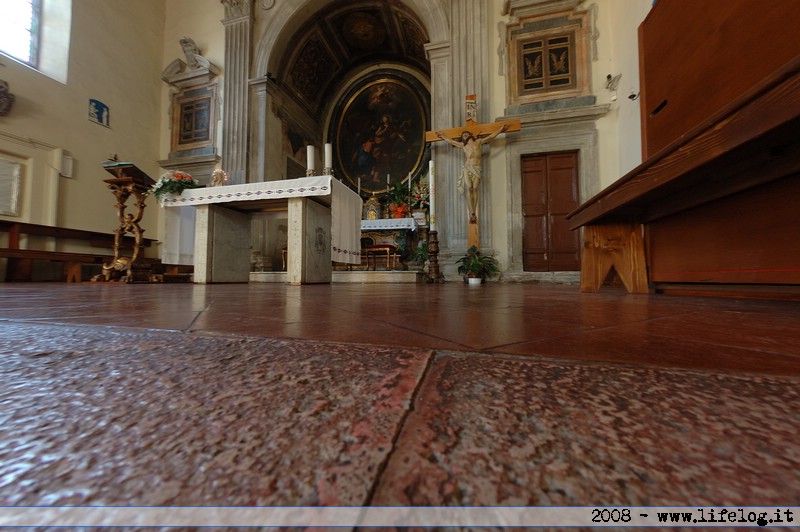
<point x="470" y="177"/>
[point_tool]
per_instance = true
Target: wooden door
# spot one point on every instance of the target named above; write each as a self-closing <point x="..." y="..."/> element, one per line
<point x="549" y="193"/>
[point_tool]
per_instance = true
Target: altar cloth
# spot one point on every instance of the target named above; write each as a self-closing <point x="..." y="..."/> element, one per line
<point x="387" y="224"/>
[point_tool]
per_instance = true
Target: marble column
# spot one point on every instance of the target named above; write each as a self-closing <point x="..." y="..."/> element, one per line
<point x="259" y="107"/>
<point x="237" y="22"/>
<point x="458" y="68"/>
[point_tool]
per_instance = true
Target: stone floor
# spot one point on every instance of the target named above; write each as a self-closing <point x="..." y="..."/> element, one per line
<point x="351" y="395"/>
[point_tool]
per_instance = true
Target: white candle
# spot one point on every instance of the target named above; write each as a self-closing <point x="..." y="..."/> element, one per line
<point x="432" y="195"/>
<point x="387" y="180"/>
<point x="409" y="186"/>
<point x="328" y="155"/>
<point x="310" y="157"/>
<point x="359" y="186"/>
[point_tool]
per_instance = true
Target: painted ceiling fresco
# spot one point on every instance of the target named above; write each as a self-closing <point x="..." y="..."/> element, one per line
<point x="347" y="37"/>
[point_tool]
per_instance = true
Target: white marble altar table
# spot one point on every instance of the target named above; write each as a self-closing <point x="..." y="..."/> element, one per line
<point x="324" y="224"/>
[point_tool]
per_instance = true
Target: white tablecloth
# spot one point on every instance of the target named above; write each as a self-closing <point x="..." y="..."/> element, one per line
<point x="345" y="206"/>
<point x="388" y="224"/>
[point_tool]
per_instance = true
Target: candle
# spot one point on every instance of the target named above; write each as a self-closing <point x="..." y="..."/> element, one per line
<point x="359" y="186"/>
<point x="310" y="157"/>
<point x="328" y="155"/>
<point x="409" y="185"/>
<point x="387" y="180"/>
<point x="432" y="195"/>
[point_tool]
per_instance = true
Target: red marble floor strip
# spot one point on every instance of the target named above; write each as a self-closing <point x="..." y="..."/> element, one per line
<point x="510" y="431"/>
<point x="99" y="416"/>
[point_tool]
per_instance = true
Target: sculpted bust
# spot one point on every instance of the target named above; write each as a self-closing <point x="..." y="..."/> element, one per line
<point x="193" y="58"/>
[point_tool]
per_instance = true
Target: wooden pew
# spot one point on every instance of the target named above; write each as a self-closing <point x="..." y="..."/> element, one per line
<point x="20" y="261"/>
<point x="716" y="207"/>
<point x="713" y="207"/>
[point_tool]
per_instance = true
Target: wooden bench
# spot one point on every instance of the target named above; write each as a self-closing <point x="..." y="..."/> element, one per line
<point x="20" y="261"/>
<point x="716" y="207"/>
<point x="713" y="208"/>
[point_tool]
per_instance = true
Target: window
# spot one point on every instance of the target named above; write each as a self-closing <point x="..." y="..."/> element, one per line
<point x="37" y="33"/>
<point x="549" y="58"/>
<point x="548" y="64"/>
<point x="10" y="175"/>
<point x="19" y="30"/>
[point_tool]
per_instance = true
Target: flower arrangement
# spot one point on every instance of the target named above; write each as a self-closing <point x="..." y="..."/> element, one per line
<point x="398" y="210"/>
<point x="173" y="182"/>
<point x="397" y="195"/>
<point x="420" y="195"/>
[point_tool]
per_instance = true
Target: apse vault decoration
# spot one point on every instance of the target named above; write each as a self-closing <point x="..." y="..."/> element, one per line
<point x="380" y="133"/>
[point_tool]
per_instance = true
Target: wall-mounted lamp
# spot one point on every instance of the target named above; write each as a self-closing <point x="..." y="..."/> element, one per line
<point x="6" y="98"/>
<point x="611" y="85"/>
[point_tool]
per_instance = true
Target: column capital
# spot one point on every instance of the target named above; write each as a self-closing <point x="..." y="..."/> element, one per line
<point x="237" y="8"/>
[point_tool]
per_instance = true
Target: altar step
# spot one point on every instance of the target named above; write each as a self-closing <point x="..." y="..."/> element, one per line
<point x="359" y="277"/>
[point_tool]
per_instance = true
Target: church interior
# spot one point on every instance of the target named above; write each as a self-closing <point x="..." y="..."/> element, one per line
<point x="290" y="323"/>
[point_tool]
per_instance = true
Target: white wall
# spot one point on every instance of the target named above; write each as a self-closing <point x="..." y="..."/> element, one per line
<point x="200" y="20"/>
<point x="619" y="132"/>
<point x="619" y="136"/>
<point x="115" y="57"/>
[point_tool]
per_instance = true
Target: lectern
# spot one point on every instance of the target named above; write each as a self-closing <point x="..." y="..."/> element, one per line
<point x="128" y="181"/>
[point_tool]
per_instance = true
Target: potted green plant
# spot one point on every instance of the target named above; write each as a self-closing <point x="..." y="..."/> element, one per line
<point x="418" y="257"/>
<point x="475" y="265"/>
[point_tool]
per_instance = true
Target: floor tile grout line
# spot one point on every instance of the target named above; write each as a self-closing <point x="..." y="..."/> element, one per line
<point x="188" y="328"/>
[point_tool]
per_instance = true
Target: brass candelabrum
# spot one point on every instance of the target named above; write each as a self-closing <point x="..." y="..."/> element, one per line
<point x="434" y="276"/>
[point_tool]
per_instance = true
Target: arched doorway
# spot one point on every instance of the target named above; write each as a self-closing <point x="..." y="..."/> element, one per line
<point x="335" y="74"/>
<point x="345" y="68"/>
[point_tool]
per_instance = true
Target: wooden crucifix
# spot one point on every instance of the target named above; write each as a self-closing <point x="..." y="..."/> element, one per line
<point x="471" y="138"/>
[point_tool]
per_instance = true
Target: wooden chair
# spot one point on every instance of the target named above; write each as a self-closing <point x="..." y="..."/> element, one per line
<point x="375" y="250"/>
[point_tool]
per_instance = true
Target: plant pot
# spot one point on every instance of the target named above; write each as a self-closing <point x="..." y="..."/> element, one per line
<point x="420" y="217"/>
<point x="474" y="280"/>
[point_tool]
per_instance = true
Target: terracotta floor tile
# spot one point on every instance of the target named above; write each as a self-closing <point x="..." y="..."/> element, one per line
<point x="639" y="344"/>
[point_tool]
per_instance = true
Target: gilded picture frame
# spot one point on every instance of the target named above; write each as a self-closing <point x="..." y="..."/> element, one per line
<point x="379" y="133"/>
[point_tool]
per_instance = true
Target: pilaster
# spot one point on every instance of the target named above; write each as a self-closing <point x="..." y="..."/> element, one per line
<point x="238" y="23"/>
<point x="470" y="64"/>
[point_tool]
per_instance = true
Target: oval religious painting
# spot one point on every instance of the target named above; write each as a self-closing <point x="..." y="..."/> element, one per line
<point x="380" y="135"/>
